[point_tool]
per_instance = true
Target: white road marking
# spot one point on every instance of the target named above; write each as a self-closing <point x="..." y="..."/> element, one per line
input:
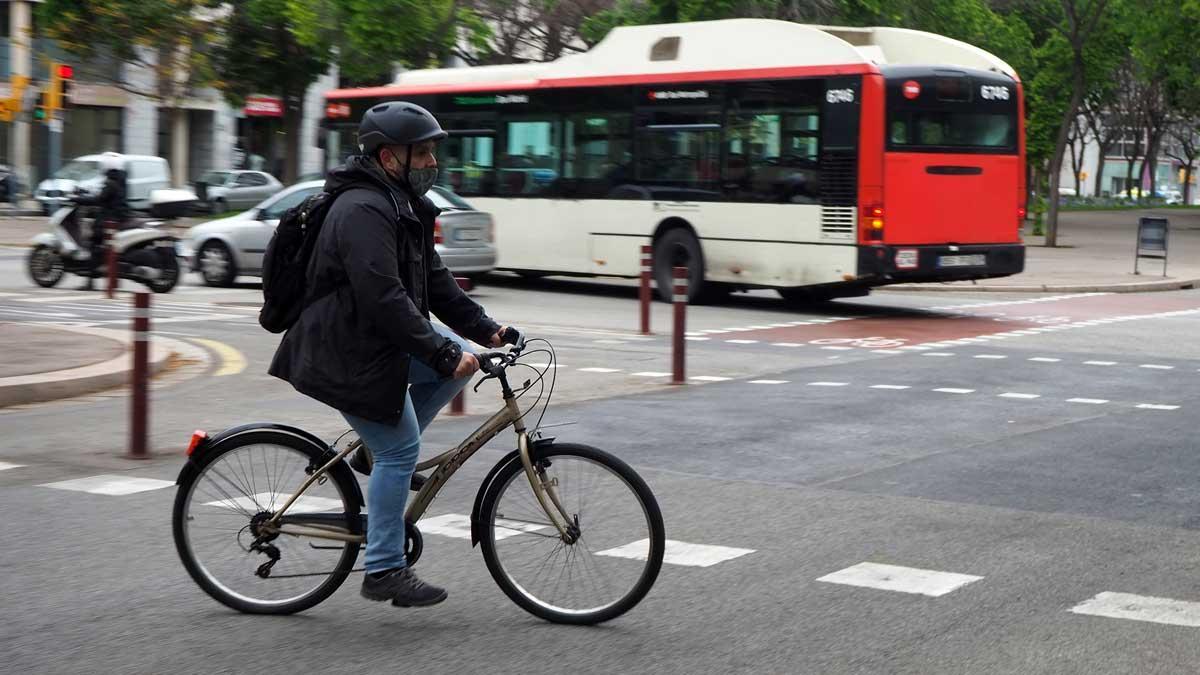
<point x="1156" y="406"/>
<point x="1099" y="363"/>
<point x="5" y="466"/>
<point x="768" y="381"/>
<point x="1092" y="401"/>
<point x="1020" y="396"/>
<point x="886" y="351"/>
<point x="828" y="384"/>
<point x="838" y="349"/>
<point x="900" y="579"/>
<point x="459" y="526"/>
<point x="758" y="327"/>
<point x="741" y="342"/>
<point x="1141" y="608"/>
<point x="1044" y="359"/>
<point x="272" y="500"/>
<point x="599" y="370"/>
<point x="786" y="344"/>
<point x="781" y="325"/>
<point x="895" y="387"/>
<point x="938" y="354"/>
<point x="111" y="485"/>
<point x="651" y="374"/>
<point x="951" y="390"/>
<point x="679" y="553"/>
<point x="696" y="338"/>
<point x="990" y="356"/>
<point x="608" y="342"/>
<point x="710" y="378"/>
<point x="1153" y="366"/>
<point x="58" y="298"/>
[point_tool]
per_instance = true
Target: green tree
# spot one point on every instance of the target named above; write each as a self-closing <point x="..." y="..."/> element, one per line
<point x="260" y="52"/>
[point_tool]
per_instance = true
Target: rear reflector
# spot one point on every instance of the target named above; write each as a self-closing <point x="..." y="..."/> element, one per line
<point x="198" y="438"/>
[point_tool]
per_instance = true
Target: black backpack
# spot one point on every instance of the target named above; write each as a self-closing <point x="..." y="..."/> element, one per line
<point x="285" y="263"/>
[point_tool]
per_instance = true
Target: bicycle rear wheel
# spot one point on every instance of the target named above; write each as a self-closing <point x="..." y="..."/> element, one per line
<point x="607" y="569"/>
<point x="220" y="508"/>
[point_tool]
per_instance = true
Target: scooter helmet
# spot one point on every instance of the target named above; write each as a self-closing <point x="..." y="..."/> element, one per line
<point x="110" y="161"/>
<point x="397" y="123"/>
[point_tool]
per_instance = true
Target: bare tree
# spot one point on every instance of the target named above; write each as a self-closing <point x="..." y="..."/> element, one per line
<point x="1185" y="132"/>
<point x="1104" y="132"/>
<point x="1129" y="115"/>
<point x="1077" y="143"/>
<point x="1155" y="118"/>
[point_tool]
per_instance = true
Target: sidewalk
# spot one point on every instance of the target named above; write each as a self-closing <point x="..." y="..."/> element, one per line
<point x="44" y="363"/>
<point x="1095" y="254"/>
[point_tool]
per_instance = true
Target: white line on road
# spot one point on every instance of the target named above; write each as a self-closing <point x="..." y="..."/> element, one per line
<point x="887" y="351"/>
<point x="828" y="384"/>
<point x="599" y="370"/>
<point x="58" y="298"/>
<point x="1156" y="406"/>
<point x="1152" y="366"/>
<point x="696" y="338"/>
<point x="458" y="526"/>
<point x="651" y="374"/>
<point x="1012" y="394"/>
<point x="679" y="553"/>
<point x="1099" y="363"/>
<point x="938" y="354"/>
<point x="894" y="387"/>
<point x="1141" y="608"/>
<point x="838" y="349"/>
<point x="1091" y="401"/>
<point x="1044" y="359"/>
<point x="741" y="342"/>
<point x="952" y="390"/>
<point x="990" y="356"/>
<point x="786" y="344"/>
<point x="900" y="579"/>
<point x="111" y="485"/>
<point x="710" y="378"/>
<point x="5" y="466"/>
<point x="768" y="381"/>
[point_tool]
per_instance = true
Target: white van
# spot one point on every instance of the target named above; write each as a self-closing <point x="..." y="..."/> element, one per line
<point x="143" y="175"/>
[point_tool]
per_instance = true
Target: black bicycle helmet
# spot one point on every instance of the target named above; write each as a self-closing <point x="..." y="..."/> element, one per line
<point x="397" y="123"/>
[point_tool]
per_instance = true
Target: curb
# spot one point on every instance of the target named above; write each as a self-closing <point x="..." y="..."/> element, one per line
<point x="1133" y="287"/>
<point x="40" y="387"/>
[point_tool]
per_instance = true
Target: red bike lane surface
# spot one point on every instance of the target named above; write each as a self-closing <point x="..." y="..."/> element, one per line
<point x="974" y="320"/>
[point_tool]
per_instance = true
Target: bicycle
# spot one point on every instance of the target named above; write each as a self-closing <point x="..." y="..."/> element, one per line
<point x="555" y="548"/>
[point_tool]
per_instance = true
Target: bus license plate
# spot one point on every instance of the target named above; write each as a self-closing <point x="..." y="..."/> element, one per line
<point x="976" y="260"/>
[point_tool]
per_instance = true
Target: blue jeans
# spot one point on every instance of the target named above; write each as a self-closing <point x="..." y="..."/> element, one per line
<point x="395" y="450"/>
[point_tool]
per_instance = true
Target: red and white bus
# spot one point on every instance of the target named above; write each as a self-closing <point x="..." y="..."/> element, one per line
<point x="815" y="160"/>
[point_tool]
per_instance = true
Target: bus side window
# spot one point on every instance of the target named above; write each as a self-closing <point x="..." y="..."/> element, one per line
<point x="528" y="163"/>
<point x="772" y="157"/>
<point x="466" y="164"/>
<point x="596" y="155"/>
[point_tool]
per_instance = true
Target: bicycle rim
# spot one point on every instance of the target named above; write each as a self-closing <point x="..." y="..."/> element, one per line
<point x="601" y="575"/>
<point x="248" y="482"/>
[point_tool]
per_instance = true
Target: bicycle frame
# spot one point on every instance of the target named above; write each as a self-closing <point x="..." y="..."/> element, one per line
<point x="447" y="464"/>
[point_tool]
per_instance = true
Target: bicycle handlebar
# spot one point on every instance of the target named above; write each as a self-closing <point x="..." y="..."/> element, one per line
<point x="511" y="336"/>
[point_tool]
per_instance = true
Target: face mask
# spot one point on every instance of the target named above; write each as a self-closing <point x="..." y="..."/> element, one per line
<point x="420" y="180"/>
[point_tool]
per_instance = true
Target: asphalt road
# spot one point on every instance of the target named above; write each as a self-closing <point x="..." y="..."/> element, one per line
<point x="905" y="483"/>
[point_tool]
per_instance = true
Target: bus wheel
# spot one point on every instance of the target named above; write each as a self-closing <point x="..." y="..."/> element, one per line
<point x="679" y="248"/>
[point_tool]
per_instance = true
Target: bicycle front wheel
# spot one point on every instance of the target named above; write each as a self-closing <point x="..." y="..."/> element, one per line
<point x="615" y="548"/>
<point x="221" y="509"/>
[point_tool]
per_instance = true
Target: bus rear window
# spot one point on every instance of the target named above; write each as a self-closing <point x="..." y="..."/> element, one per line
<point x="952" y="131"/>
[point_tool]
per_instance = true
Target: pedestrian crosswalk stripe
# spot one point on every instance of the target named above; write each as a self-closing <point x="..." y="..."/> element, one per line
<point x="679" y="553"/>
<point x="107" y="484"/>
<point x="458" y="526"/>
<point x="900" y="579"/>
<point x="273" y="500"/>
<point x="5" y="466"/>
<point x="1141" y="608"/>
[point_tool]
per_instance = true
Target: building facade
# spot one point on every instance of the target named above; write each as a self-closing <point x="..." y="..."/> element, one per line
<point x="1111" y="176"/>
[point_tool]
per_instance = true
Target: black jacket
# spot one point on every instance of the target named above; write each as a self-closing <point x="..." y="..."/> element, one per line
<point x="373" y="280"/>
<point x="111" y="203"/>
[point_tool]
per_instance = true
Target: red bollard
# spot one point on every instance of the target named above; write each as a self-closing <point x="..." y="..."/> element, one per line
<point x="141" y="376"/>
<point x="644" y="292"/>
<point x="110" y="250"/>
<point x="679" y="299"/>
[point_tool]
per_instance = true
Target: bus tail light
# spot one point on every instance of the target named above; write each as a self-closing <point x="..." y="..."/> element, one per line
<point x="1021" y="212"/>
<point x="873" y="222"/>
<point x="437" y="232"/>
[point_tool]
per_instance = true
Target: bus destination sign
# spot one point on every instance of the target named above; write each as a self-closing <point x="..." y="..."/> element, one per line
<point x="497" y="99"/>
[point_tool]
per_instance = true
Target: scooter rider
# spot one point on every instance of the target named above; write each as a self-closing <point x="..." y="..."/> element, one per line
<point x="112" y="208"/>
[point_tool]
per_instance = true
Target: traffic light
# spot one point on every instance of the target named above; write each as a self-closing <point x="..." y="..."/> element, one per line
<point x="61" y="78"/>
<point x="42" y="108"/>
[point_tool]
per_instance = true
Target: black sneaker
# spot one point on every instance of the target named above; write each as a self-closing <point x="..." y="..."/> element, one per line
<point x="361" y="461"/>
<point x="403" y="588"/>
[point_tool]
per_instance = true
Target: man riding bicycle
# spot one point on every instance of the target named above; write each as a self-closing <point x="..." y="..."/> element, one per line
<point x="364" y="343"/>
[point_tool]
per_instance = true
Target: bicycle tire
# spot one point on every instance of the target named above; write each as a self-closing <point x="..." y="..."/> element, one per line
<point x="213" y="587"/>
<point x="512" y="474"/>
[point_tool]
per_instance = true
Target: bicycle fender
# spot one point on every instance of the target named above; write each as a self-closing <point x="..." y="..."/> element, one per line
<point x="476" y="520"/>
<point x="218" y="442"/>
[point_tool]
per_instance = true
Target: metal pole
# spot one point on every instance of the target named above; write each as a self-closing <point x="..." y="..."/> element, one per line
<point x="644" y="292"/>
<point x="141" y="374"/>
<point x="110" y="253"/>
<point x="679" y="299"/>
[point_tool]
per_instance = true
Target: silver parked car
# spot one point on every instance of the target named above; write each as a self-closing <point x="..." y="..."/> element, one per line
<point x="223" y="191"/>
<point x="221" y="250"/>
